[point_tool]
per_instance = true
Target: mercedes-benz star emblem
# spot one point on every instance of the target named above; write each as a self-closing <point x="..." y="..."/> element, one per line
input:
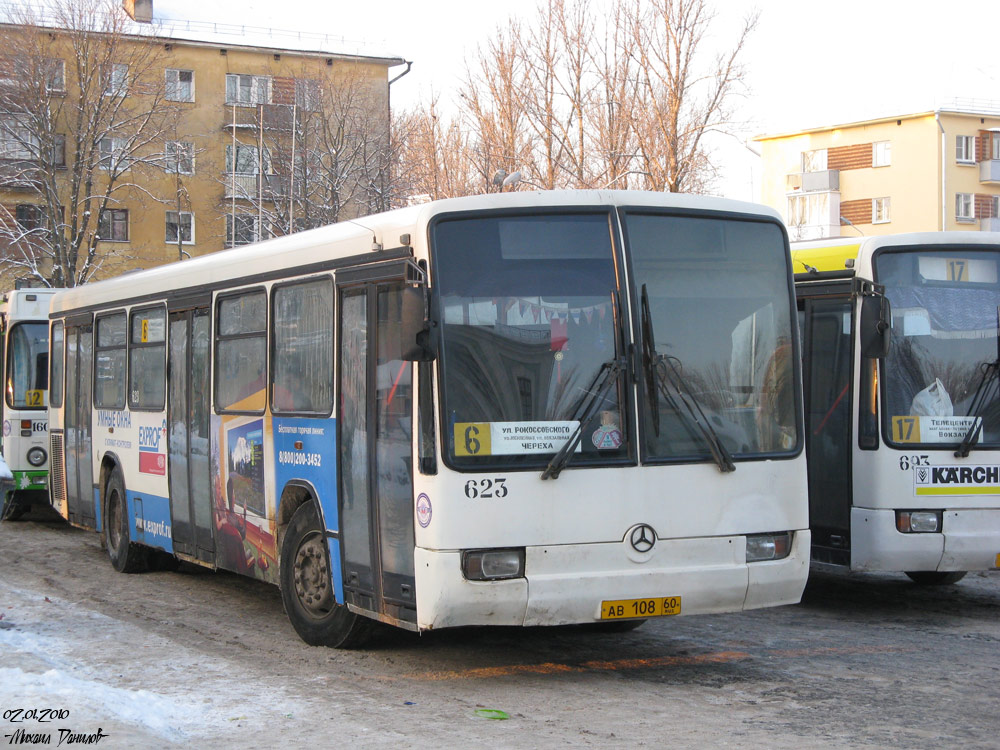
<point x="642" y="538"/>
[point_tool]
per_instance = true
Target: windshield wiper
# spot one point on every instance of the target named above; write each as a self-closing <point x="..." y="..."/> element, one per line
<point x="991" y="370"/>
<point x="606" y="377"/>
<point x="664" y="377"/>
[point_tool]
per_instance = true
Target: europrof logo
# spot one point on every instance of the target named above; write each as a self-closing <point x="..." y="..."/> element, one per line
<point x="956" y="480"/>
<point x="152" y="449"/>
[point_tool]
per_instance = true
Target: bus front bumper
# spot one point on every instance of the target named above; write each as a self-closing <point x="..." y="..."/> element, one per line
<point x="969" y="540"/>
<point x="566" y="584"/>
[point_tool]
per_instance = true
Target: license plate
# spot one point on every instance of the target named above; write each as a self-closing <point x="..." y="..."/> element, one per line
<point x="620" y="609"/>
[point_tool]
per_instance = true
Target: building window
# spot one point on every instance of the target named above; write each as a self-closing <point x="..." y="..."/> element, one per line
<point x="810" y="210"/>
<point x="55" y="75"/>
<point x="965" y="149"/>
<point x="880" y="210"/>
<point x="307" y="94"/>
<point x="113" y="225"/>
<point x="881" y="154"/>
<point x="180" y="157"/>
<point x="17" y="141"/>
<point x="965" y="207"/>
<point x="247" y="91"/>
<point x="247" y="158"/>
<point x="179" y="85"/>
<point x="29" y="217"/>
<point x="814" y="161"/>
<point x="241" y="230"/>
<point x="117" y="80"/>
<point x="180" y="223"/>
<point x="995" y="206"/>
<point x="113" y="154"/>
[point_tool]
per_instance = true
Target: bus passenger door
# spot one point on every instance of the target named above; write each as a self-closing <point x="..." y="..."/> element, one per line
<point x="828" y="357"/>
<point x="188" y="435"/>
<point x="375" y="451"/>
<point x="79" y="396"/>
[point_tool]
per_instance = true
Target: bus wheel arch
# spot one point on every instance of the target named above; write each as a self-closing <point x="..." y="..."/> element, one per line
<point x="126" y="556"/>
<point x="307" y="586"/>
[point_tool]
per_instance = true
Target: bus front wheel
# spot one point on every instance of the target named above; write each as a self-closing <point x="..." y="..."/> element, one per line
<point x="935" y="577"/>
<point x="126" y="556"/>
<point x="307" y="587"/>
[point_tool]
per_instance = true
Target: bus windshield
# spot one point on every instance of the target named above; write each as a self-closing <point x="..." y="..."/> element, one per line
<point x="719" y="307"/>
<point x="944" y="336"/>
<point x="28" y="365"/>
<point x="528" y="326"/>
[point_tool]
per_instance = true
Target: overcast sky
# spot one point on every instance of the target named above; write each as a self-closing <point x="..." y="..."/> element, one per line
<point x="810" y="64"/>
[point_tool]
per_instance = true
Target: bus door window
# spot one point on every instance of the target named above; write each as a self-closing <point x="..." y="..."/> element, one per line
<point x="827" y="348"/>
<point x="375" y="447"/>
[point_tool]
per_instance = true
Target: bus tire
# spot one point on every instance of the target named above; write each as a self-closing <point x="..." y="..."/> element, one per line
<point x="935" y="577"/>
<point x="126" y="556"/>
<point x="307" y="587"/>
<point x="16" y="507"/>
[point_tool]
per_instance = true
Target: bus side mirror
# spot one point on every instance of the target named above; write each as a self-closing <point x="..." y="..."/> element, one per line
<point x="875" y="326"/>
<point x="416" y="327"/>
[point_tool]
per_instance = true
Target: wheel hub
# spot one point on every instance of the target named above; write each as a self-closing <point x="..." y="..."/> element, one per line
<point x="312" y="577"/>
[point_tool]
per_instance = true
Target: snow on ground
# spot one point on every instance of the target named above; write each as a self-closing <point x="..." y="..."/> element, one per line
<point x="147" y="690"/>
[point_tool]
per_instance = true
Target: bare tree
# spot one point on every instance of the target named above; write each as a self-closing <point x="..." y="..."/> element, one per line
<point x="434" y="154"/>
<point x="83" y="106"/>
<point x="578" y="99"/>
<point x="680" y="98"/>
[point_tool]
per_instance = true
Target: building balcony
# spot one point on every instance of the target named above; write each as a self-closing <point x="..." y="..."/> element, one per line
<point x="989" y="171"/>
<point x="246" y="187"/>
<point x="19" y="174"/>
<point x="813" y="182"/>
<point x="991" y="224"/>
<point x="272" y="117"/>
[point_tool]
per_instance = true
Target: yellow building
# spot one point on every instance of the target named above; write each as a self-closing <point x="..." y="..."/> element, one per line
<point x="246" y="145"/>
<point x="930" y="171"/>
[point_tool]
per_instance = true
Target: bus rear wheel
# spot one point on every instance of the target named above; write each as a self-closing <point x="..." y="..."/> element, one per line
<point x="935" y="577"/>
<point x="126" y="556"/>
<point x="307" y="587"/>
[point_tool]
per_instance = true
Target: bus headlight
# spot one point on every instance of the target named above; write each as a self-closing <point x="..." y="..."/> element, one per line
<point x="493" y="564"/>
<point x="768" y="546"/>
<point x="37" y="456"/>
<point x="918" y="521"/>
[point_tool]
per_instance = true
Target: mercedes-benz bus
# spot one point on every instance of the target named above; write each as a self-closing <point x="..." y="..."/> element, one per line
<point x="512" y="409"/>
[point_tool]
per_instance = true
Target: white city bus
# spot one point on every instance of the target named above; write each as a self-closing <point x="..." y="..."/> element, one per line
<point x="902" y="428"/>
<point x="515" y="409"/>
<point x="24" y="315"/>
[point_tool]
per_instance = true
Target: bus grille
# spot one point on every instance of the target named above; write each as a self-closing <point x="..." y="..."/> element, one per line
<point x="57" y="472"/>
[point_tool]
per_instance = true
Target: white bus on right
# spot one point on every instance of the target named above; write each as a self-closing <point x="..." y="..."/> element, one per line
<point x="902" y="396"/>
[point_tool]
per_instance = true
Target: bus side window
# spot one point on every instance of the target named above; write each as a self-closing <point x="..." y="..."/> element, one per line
<point x="56" y="366"/>
<point x="303" y="348"/>
<point x="147" y="363"/>
<point x="109" y="362"/>
<point x="241" y="353"/>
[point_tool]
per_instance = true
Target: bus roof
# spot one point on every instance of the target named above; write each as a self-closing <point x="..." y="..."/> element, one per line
<point x="832" y="254"/>
<point x="357" y="237"/>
